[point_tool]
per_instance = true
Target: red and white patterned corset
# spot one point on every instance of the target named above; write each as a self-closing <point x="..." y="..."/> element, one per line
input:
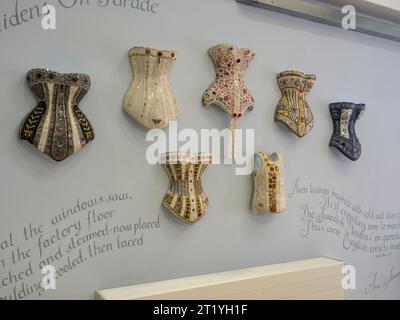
<point x="229" y="90"/>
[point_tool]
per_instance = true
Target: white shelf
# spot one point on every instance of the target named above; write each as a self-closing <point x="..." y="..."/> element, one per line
<point x="307" y="279"/>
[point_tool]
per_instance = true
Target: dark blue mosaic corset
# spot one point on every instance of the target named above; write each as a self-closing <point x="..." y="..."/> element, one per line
<point x="344" y="138"/>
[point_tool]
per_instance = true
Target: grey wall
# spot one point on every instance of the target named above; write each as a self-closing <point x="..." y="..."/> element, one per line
<point x="96" y="41"/>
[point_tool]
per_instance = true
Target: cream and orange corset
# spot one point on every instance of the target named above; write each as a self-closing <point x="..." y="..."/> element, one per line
<point x="186" y="198"/>
<point x="269" y="189"/>
<point x="57" y="127"/>
<point x="293" y="108"/>
<point x="150" y="99"/>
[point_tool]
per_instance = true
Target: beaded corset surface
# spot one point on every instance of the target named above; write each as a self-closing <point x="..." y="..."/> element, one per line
<point x="229" y="90"/>
<point x="186" y="198"/>
<point x="149" y="99"/>
<point x="344" y="116"/>
<point x="293" y="108"/>
<point x="269" y="191"/>
<point x="57" y="127"/>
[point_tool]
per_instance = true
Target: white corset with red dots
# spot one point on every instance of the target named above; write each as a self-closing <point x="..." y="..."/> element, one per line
<point x="229" y="90"/>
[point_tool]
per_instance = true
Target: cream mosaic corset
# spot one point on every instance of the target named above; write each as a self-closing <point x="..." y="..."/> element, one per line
<point x="269" y="191"/>
<point x="57" y="127"/>
<point x="149" y="99"/>
<point x="186" y="198"/>
<point x="293" y="108"/>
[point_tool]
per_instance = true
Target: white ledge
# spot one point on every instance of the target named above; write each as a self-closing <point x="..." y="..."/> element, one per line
<point x="318" y="278"/>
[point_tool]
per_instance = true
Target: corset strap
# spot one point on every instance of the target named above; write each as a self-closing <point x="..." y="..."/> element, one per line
<point x="231" y="146"/>
<point x="261" y="156"/>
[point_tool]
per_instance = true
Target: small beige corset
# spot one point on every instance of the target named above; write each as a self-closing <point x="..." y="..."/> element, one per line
<point x="269" y="192"/>
<point x="149" y="99"/>
<point x="186" y="198"/>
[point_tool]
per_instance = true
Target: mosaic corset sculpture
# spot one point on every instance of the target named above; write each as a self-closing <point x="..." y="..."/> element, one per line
<point x="229" y="90"/>
<point x="186" y="198"/>
<point x="293" y="108"/>
<point x="269" y="191"/>
<point x="57" y="127"/>
<point x="344" y="116"/>
<point x="149" y="99"/>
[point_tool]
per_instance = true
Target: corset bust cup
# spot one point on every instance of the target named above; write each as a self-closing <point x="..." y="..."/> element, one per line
<point x="293" y="109"/>
<point x="57" y="127"/>
<point x="186" y="198"/>
<point x="344" y="116"/>
<point x="149" y="99"/>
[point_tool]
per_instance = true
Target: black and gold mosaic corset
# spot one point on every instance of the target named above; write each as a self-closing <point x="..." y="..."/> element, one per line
<point x="344" y="116"/>
<point x="57" y="127"/>
<point x="293" y="109"/>
<point x="186" y="198"/>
